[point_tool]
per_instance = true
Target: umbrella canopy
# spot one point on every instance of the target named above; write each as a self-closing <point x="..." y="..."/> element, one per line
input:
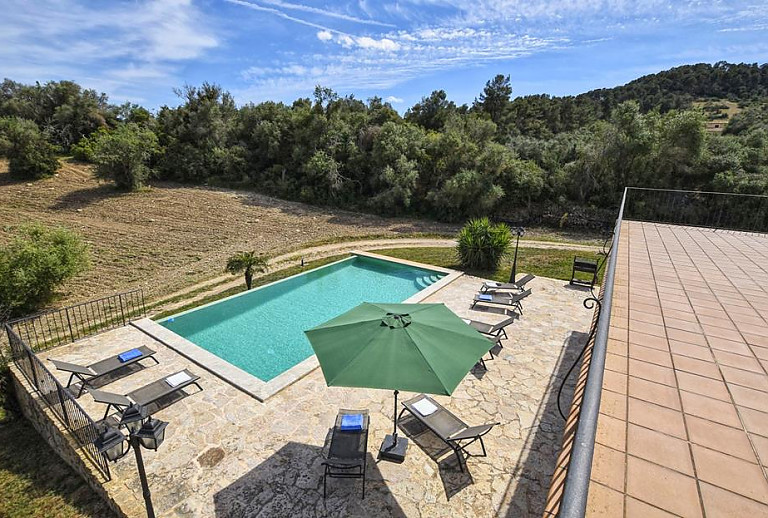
<point x="412" y="347"/>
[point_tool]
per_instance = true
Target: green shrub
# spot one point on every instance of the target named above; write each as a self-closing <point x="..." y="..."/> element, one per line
<point x="123" y="155"/>
<point x="30" y="155"/>
<point x="481" y="244"/>
<point x="85" y="149"/>
<point x="35" y="263"/>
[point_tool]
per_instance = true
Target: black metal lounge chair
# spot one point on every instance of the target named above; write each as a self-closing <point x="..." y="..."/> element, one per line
<point x="492" y="287"/>
<point x="145" y="395"/>
<point x="89" y="373"/>
<point x="449" y="428"/>
<point x="347" y="452"/>
<point x="514" y="300"/>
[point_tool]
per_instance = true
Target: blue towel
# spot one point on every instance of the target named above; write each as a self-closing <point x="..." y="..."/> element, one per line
<point x="129" y="355"/>
<point x="351" y="422"/>
<point x="485" y="297"/>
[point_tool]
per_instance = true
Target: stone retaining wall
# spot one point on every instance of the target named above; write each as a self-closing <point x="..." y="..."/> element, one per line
<point x="51" y="430"/>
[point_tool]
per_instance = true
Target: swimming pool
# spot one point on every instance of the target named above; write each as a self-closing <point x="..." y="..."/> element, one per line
<point x="262" y="331"/>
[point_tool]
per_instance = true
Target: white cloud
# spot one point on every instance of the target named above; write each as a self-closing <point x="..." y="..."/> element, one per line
<point x="123" y="48"/>
<point x="324" y="35"/>
<point x="383" y="44"/>
<point x="394" y="100"/>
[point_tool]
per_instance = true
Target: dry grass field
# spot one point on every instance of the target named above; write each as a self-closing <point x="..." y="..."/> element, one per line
<point x="171" y="236"/>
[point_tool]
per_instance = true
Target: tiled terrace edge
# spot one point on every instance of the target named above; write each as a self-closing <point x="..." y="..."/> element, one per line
<point x="250" y="384"/>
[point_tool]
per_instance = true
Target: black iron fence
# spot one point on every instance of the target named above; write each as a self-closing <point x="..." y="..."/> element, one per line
<point x="62" y="326"/>
<point x="29" y="335"/>
<point x="718" y="210"/>
<point x="59" y="400"/>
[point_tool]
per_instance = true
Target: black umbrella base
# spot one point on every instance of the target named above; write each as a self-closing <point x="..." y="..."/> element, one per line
<point x="393" y="452"/>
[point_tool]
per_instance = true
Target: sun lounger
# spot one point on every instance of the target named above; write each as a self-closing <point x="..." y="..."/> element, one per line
<point x="492" y="286"/>
<point x="148" y="393"/>
<point x="89" y="373"/>
<point x="449" y="428"/>
<point x="496" y="331"/>
<point x="347" y="452"/>
<point x="513" y="300"/>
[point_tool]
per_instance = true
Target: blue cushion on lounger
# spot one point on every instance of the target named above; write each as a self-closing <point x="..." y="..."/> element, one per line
<point x="351" y="422"/>
<point x="485" y="297"/>
<point x="129" y="355"/>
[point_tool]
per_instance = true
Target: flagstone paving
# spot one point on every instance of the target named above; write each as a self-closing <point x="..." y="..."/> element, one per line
<point x="683" y="428"/>
<point x="228" y="455"/>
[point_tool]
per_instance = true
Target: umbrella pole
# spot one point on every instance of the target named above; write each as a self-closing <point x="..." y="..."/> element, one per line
<point x="394" y="416"/>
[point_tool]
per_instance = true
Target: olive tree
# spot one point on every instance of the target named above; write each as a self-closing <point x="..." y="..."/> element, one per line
<point x="36" y="261"/>
<point x="123" y="155"/>
<point x="30" y="155"/>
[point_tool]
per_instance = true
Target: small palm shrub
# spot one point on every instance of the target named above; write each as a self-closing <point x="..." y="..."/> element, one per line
<point x="247" y="262"/>
<point x="481" y="244"/>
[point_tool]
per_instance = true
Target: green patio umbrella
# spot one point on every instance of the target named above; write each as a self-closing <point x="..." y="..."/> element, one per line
<point x="413" y="347"/>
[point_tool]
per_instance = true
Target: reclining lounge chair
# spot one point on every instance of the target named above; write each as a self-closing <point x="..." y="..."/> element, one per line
<point x="496" y="331"/>
<point x="502" y="299"/>
<point x="449" y="428"/>
<point x="89" y="373"/>
<point x="493" y="287"/>
<point x="147" y="394"/>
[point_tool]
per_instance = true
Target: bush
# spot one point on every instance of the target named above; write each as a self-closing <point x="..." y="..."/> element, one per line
<point x="123" y="155"/>
<point x="481" y="244"/>
<point x="35" y="263"/>
<point x="30" y="155"/>
<point x="85" y="149"/>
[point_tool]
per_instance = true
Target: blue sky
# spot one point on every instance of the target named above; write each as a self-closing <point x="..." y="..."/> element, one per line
<point x="400" y="50"/>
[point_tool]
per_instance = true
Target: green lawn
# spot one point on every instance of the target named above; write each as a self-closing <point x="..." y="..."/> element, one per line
<point x="34" y="481"/>
<point x="543" y="262"/>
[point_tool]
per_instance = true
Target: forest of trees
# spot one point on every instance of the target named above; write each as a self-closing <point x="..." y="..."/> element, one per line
<point x="527" y="159"/>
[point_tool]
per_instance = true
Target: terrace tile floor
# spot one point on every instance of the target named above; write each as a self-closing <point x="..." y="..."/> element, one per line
<point x="228" y="455"/>
<point x="688" y="353"/>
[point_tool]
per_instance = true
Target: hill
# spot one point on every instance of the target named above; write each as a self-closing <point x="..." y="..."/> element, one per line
<point x="673" y="89"/>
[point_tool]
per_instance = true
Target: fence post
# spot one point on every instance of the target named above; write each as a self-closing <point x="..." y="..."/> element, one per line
<point x="63" y="406"/>
<point x="30" y="359"/>
<point x="120" y="301"/>
<point x="69" y="323"/>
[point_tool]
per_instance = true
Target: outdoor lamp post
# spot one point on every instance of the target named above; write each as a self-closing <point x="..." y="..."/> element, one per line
<point x="520" y="232"/>
<point x="144" y="432"/>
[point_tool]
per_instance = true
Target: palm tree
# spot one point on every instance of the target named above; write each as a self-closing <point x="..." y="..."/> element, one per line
<point x="249" y="262"/>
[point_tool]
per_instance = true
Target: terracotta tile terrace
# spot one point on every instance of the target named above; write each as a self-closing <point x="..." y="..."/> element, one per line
<point x="683" y="423"/>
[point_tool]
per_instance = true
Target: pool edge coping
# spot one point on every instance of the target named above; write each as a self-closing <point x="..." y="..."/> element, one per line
<point x="259" y="389"/>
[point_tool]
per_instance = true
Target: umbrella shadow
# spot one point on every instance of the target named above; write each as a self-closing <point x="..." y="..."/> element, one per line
<point x="290" y="483"/>
<point x="453" y="479"/>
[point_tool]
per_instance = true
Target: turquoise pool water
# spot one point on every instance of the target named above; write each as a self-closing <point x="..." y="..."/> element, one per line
<point x="262" y="331"/>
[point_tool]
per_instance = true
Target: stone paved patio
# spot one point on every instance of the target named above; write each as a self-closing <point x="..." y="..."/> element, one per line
<point x="228" y="455"/>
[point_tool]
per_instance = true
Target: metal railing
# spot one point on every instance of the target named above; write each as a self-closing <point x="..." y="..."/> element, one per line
<point x="574" y="501"/>
<point x="61" y="326"/>
<point x="29" y="335"/>
<point x="746" y="212"/>
<point x="59" y="400"/>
